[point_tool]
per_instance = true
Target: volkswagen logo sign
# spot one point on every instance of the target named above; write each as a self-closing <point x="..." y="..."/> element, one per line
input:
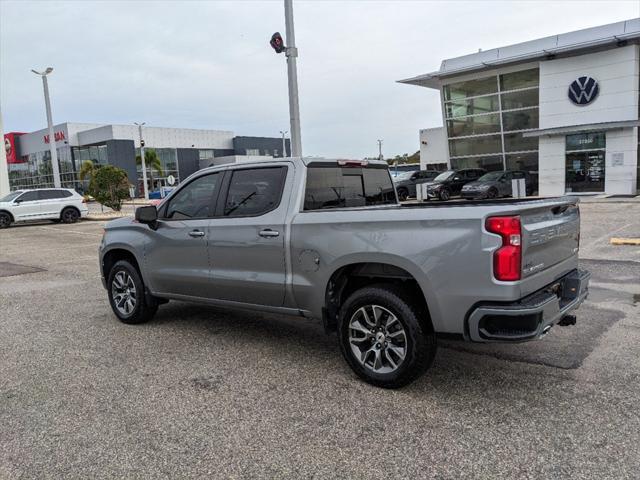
<point x="583" y="90"/>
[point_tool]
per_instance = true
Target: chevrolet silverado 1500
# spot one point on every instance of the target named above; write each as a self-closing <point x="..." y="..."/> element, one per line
<point x="329" y="240"/>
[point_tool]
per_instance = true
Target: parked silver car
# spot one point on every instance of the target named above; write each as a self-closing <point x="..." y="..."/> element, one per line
<point x="328" y="240"/>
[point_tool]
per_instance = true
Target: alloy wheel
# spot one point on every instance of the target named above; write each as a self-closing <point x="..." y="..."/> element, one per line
<point x="123" y="292"/>
<point x="377" y="339"/>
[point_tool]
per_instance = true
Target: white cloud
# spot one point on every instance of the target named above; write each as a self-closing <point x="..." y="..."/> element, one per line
<point x="204" y="64"/>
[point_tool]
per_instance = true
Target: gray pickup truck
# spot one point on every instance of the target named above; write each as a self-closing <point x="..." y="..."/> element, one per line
<point x="329" y="240"/>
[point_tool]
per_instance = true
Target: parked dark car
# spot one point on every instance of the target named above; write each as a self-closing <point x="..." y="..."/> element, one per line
<point x="495" y="185"/>
<point x="405" y="183"/>
<point x="450" y="183"/>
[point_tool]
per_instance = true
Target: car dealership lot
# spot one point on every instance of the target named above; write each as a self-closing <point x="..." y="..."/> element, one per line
<point x="206" y="391"/>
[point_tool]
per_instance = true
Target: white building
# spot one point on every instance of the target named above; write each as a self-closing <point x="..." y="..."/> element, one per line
<point x="565" y="108"/>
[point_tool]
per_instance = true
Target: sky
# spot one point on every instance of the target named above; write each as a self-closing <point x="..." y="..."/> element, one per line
<point x="208" y="64"/>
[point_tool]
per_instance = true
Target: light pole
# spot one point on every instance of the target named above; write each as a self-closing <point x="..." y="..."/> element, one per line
<point x="292" y="53"/>
<point x="52" y="138"/>
<point x="379" y="149"/>
<point x="145" y="189"/>
<point x="4" y="166"/>
<point x="284" y="143"/>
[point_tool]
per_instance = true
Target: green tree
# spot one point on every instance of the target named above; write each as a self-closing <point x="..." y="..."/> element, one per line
<point x="152" y="162"/>
<point x="109" y="186"/>
<point x="87" y="170"/>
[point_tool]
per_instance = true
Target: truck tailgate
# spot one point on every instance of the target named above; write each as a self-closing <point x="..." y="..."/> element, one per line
<point x="550" y="234"/>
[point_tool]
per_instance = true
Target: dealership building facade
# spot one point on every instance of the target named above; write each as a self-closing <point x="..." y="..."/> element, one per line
<point x="564" y="108"/>
<point x="180" y="152"/>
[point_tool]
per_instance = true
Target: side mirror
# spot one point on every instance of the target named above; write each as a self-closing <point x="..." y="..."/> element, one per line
<point x="457" y="178"/>
<point x="17" y="202"/>
<point x="147" y="215"/>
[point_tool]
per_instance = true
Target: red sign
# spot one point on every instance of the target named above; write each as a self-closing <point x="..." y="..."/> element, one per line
<point x="10" y="146"/>
<point x="57" y="136"/>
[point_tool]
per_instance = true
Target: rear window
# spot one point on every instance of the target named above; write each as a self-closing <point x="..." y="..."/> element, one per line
<point x="336" y="187"/>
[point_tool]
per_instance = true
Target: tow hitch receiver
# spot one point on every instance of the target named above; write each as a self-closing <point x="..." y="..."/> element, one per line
<point x="567" y="320"/>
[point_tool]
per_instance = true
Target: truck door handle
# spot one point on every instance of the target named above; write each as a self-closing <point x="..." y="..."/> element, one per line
<point x="196" y="233"/>
<point x="267" y="232"/>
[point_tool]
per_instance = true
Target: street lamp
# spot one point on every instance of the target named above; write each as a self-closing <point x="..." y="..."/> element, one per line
<point x="52" y="138"/>
<point x="142" y="161"/>
<point x="284" y="143"/>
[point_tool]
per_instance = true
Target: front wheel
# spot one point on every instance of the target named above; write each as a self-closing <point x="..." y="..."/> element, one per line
<point x="403" y="194"/>
<point x="126" y="294"/>
<point x="382" y="338"/>
<point x="444" y="195"/>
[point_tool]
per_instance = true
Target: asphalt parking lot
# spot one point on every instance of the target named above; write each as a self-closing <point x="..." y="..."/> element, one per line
<point x="203" y="391"/>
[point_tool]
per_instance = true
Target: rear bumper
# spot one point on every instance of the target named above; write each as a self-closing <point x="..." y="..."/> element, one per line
<point x="530" y="317"/>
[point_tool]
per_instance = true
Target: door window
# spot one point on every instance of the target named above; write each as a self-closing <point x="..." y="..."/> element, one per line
<point x="51" y="194"/>
<point x="254" y="191"/>
<point x="196" y="199"/>
<point x="28" y="197"/>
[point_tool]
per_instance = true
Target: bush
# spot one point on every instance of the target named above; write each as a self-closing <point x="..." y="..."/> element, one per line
<point x="109" y="186"/>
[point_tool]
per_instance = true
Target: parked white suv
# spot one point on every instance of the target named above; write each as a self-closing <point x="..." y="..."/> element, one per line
<point x="57" y="204"/>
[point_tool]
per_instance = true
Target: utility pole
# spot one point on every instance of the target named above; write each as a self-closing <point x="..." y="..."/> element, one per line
<point x="4" y="166"/>
<point x="142" y="161"/>
<point x="380" y="150"/>
<point x="284" y="143"/>
<point x="292" y="53"/>
<point x="52" y="138"/>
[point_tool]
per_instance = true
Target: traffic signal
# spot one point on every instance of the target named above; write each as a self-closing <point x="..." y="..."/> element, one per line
<point x="142" y="143"/>
<point x="277" y="43"/>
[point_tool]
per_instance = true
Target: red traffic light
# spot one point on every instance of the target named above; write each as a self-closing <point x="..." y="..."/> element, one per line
<point x="277" y="43"/>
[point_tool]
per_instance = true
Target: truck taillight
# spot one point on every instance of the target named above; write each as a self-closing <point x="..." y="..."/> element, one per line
<point x="507" y="259"/>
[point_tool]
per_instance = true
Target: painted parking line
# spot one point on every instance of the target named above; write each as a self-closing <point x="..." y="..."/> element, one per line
<point x="66" y="230"/>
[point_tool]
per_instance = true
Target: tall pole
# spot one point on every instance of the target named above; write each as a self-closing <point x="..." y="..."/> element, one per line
<point x="379" y="149"/>
<point x="292" y="73"/>
<point x="145" y="189"/>
<point x="52" y="139"/>
<point x="4" y="167"/>
<point x="284" y="143"/>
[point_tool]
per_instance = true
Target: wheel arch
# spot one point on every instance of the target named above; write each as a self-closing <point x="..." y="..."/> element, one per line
<point x="352" y="276"/>
<point x="67" y="207"/>
<point x="114" y="255"/>
<point x="13" y="219"/>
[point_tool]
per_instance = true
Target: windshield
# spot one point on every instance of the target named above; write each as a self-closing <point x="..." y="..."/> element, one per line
<point x="404" y="176"/>
<point x="491" y="177"/>
<point x="11" y="196"/>
<point x="444" y="176"/>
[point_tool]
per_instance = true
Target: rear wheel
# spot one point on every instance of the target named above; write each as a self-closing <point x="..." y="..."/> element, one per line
<point x="126" y="294"/>
<point x="403" y="194"/>
<point x="382" y="338"/>
<point x="444" y="194"/>
<point x="5" y="220"/>
<point x="69" y="215"/>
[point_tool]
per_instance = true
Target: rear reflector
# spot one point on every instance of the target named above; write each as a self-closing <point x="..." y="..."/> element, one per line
<point x="507" y="260"/>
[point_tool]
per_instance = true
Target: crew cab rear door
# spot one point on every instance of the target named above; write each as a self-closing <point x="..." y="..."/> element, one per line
<point x="246" y="237"/>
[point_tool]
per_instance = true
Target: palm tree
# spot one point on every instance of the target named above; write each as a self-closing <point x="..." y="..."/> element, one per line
<point x="152" y="162"/>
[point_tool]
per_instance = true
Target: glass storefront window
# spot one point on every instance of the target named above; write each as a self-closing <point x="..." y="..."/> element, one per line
<point x="472" y="106"/>
<point x="585" y="141"/>
<point x="515" y="142"/>
<point x="521" y="99"/>
<point x="521" y="79"/>
<point x="471" y="88"/>
<point x="475" y="146"/>
<point x="488" y="163"/>
<point x="477" y="125"/>
<point x="520" y="120"/>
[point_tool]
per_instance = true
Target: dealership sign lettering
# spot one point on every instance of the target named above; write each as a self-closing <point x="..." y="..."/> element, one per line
<point x="58" y="136"/>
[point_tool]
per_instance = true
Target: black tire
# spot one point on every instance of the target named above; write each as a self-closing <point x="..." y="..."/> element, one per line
<point x="141" y="311"/>
<point x="420" y="347"/>
<point x="69" y="215"/>
<point x="5" y="220"/>
<point x="492" y="193"/>
<point x="403" y="194"/>
<point x="444" y="195"/>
